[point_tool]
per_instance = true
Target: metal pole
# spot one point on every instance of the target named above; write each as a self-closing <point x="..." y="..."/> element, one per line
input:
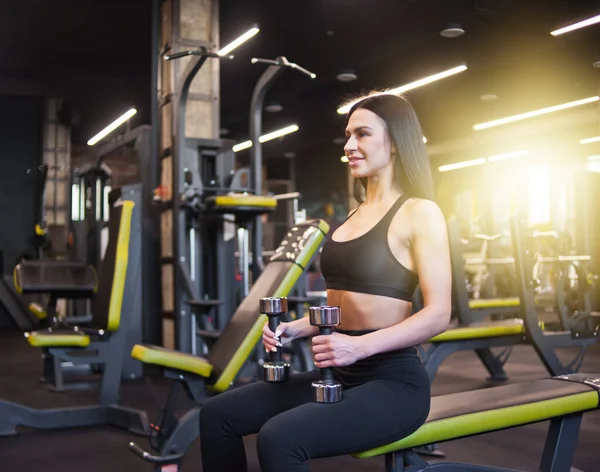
<point x="181" y="311"/>
<point x="151" y="289"/>
<point x="256" y="105"/>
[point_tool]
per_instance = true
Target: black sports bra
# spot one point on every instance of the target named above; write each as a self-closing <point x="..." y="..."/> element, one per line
<point x="366" y="264"/>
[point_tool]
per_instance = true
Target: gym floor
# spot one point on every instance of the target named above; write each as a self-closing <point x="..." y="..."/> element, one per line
<point x="106" y="449"/>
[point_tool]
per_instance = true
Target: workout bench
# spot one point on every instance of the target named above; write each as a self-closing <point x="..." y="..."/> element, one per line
<point x="105" y="344"/>
<point x="562" y="400"/>
<point x="481" y="337"/>
<point x="201" y="377"/>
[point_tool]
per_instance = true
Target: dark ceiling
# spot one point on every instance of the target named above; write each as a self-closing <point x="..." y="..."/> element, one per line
<point x="97" y="54"/>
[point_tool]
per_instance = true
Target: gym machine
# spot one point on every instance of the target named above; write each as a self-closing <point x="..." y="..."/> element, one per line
<point x="209" y="212"/>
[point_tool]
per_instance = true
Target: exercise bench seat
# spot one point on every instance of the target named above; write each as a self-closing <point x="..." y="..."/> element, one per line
<point x="491" y="329"/>
<point x="240" y="204"/>
<point x="463" y="414"/>
<point x="47" y="339"/>
<point x="203" y="377"/>
<point x="492" y="303"/>
<point x="169" y="359"/>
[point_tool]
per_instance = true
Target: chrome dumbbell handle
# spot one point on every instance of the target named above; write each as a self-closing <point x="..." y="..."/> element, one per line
<point x="275" y="370"/>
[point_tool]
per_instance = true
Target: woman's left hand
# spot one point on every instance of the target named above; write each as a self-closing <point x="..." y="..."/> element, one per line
<point x="336" y="350"/>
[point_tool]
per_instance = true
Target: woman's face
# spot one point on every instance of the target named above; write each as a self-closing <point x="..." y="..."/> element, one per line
<point x="368" y="146"/>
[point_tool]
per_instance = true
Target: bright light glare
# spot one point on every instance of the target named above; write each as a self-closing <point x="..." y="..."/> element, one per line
<point x="531" y="114"/>
<point x="595" y="139"/>
<point x="508" y="155"/>
<point x="462" y="165"/>
<point x="237" y="42"/>
<point x="344" y="159"/>
<point x="404" y="88"/>
<point x="113" y="126"/>
<point x="575" y="26"/>
<point x="539" y="195"/>
<point x="593" y="166"/>
<point x="482" y="160"/>
<point x="425" y="139"/>
<point x="267" y="137"/>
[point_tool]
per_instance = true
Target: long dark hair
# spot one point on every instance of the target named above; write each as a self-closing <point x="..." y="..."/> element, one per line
<point x="412" y="167"/>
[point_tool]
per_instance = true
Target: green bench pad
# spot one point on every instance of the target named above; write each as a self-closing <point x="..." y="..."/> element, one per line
<point x="172" y="359"/>
<point x="485" y="329"/>
<point x="487" y="303"/>
<point x="234" y="201"/>
<point x="463" y="414"/>
<point x="45" y="339"/>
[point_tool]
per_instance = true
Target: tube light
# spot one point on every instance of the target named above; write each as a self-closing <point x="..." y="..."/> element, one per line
<point x="482" y="160"/>
<point x="508" y="155"/>
<point x="113" y="126"/>
<point x="575" y="26"/>
<point x="530" y="114"/>
<point x="242" y="146"/>
<point x="462" y="165"/>
<point x="239" y="41"/>
<point x="595" y="139"/>
<point x="266" y="137"/>
<point x="404" y="88"/>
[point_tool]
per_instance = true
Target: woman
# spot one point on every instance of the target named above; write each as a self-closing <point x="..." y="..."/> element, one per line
<point x="372" y="264"/>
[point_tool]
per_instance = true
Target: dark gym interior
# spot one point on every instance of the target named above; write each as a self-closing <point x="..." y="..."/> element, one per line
<point x="171" y="167"/>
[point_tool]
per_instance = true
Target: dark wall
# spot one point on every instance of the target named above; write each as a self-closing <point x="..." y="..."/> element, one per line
<point x="20" y="157"/>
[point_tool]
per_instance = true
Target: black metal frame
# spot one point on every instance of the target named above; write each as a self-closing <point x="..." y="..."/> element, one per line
<point x="110" y="350"/>
<point x="557" y="456"/>
<point x="544" y="342"/>
<point x="261" y="88"/>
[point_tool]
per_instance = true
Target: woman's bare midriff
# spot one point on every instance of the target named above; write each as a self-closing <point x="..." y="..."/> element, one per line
<point x="361" y="311"/>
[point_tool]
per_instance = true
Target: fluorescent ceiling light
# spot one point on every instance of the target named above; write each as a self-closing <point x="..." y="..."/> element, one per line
<point x="237" y="42"/>
<point x="462" y="165"/>
<point x="404" y="88"/>
<point x="530" y="114"/>
<point x="113" y="126"/>
<point x="508" y="155"/>
<point x="482" y="160"/>
<point x="267" y="137"/>
<point x="595" y="139"/>
<point x="574" y="26"/>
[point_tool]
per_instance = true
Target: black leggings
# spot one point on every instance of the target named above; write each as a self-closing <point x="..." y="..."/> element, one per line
<point x="293" y="429"/>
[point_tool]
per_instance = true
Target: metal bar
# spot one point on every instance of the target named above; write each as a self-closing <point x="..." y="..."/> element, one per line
<point x="256" y="106"/>
<point x="561" y="442"/>
<point x="183" y="341"/>
<point x="150" y="176"/>
<point x="511" y="260"/>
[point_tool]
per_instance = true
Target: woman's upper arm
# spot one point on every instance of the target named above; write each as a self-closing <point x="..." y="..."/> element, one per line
<point x="431" y="251"/>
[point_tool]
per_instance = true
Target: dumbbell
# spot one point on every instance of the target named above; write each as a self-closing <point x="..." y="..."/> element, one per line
<point x="326" y="390"/>
<point x="275" y="370"/>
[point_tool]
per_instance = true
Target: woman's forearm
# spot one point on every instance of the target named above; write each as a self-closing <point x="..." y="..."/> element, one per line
<point x="416" y="329"/>
<point x="305" y="329"/>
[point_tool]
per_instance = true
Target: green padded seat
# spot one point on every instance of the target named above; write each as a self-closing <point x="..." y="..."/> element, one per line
<point x="46" y="339"/>
<point x="487" y="303"/>
<point x="464" y="414"/>
<point x="172" y="359"/>
<point x="483" y="329"/>
<point x="241" y="204"/>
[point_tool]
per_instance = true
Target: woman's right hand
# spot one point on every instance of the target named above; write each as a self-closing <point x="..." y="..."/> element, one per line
<point x="286" y="332"/>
